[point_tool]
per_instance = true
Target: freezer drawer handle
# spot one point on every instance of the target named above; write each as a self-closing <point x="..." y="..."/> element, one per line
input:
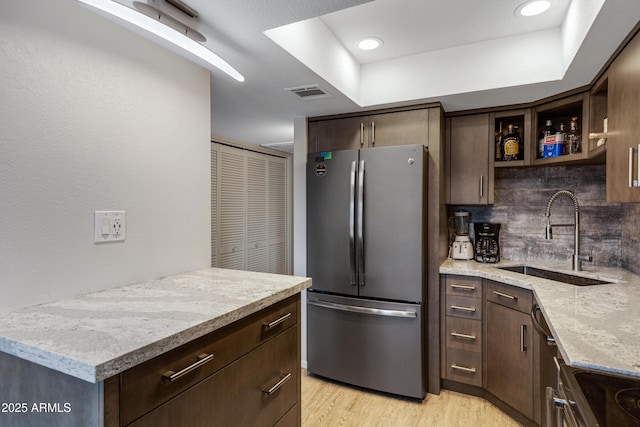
<point x="277" y="321"/>
<point x="364" y="310"/>
<point x="202" y="359"/>
<point x="469" y="309"/>
<point x="464" y="368"/>
<point x="277" y="385"/>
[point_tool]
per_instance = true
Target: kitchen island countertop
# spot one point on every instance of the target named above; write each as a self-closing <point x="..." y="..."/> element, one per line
<point x="596" y="327"/>
<point x="98" y="335"/>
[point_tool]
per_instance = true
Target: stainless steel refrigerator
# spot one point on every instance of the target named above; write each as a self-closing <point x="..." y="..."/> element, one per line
<point x="366" y="240"/>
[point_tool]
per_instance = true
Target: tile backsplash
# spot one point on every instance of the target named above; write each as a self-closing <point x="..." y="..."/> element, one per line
<point x="630" y="245"/>
<point x="610" y="232"/>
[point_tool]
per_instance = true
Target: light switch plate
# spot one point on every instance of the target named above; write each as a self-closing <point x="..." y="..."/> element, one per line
<point x="109" y="226"/>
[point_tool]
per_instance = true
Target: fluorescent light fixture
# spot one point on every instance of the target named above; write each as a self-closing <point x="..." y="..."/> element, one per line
<point x="532" y="8"/>
<point x="127" y="16"/>
<point x="370" y="43"/>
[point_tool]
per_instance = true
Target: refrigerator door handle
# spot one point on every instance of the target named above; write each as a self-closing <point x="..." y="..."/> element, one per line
<point x="360" y="237"/>
<point x="352" y="225"/>
<point x="364" y="310"/>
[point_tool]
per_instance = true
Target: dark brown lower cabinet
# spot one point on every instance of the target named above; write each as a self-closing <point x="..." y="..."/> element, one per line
<point x="251" y="377"/>
<point x="498" y="354"/>
<point x="257" y="389"/>
<point x="509" y="357"/>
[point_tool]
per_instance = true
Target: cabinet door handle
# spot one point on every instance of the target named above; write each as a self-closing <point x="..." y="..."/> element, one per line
<point x="459" y="335"/>
<point x="276" y="386"/>
<point x="630" y="167"/>
<point x="511" y="297"/>
<point x="373" y="133"/>
<point x="277" y="321"/>
<point x="523" y="332"/>
<point x="202" y="359"/>
<point x="464" y="287"/>
<point x="634" y="182"/>
<point x="361" y="134"/>
<point x="463" y="368"/>
<point x="469" y="309"/>
<point x="481" y="186"/>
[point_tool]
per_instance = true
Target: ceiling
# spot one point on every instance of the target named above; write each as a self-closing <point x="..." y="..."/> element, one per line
<point x="464" y="54"/>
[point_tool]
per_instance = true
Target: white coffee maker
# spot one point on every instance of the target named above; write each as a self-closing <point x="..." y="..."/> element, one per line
<point x="461" y="247"/>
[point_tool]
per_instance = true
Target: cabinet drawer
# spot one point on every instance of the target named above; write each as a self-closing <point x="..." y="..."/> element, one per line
<point x="257" y="389"/>
<point x="464" y="334"/>
<point x="509" y="296"/>
<point x="291" y="418"/>
<point x="470" y="308"/>
<point x="464" y="366"/>
<point x="144" y="387"/>
<point x="464" y="286"/>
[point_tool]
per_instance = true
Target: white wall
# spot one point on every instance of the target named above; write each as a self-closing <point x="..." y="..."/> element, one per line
<point x="93" y="117"/>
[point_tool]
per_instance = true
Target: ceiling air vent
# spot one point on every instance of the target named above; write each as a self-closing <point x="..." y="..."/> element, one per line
<point x="309" y="92"/>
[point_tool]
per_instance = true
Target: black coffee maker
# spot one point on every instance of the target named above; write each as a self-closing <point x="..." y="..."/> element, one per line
<point x="487" y="242"/>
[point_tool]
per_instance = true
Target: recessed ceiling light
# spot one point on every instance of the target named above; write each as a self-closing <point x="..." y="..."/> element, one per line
<point x="369" y="43"/>
<point x="532" y="8"/>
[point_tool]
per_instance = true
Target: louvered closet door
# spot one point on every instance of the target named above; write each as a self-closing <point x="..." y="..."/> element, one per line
<point x="232" y="208"/>
<point x="277" y="230"/>
<point x="214" y="204"/>
<point x="257" y="212"/>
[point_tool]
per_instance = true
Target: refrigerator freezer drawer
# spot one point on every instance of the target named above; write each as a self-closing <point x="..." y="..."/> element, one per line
<point x="372" y="344"/>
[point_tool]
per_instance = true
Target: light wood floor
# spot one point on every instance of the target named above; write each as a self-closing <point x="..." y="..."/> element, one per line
<point x="325" y="403"/>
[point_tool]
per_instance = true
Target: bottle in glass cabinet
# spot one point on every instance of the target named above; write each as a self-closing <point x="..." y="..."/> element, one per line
<point x="542" y="137"/>
<point x="511" y="144"/>
<point x="498" y="140"/>
<point x="574" y="140"/>
<point x="516" y="130"/>
<point x="561" y="139"/>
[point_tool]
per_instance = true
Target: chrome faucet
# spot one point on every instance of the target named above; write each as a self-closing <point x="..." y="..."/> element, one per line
<point x="577" y="258"/>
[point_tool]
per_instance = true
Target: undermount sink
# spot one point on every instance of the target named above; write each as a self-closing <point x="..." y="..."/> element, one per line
<point x="554" y="275"/>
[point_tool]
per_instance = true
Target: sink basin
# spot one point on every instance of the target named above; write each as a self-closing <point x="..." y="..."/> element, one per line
<point x="554" y="275"/>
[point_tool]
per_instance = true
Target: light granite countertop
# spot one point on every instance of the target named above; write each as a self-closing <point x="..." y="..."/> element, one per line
<point x="596" y="327"/>
<point x="101" y="334"/>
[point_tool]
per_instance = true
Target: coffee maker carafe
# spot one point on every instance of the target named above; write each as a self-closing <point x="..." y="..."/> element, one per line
<point x="461" y="247"/>
<point x="487" y="242"/>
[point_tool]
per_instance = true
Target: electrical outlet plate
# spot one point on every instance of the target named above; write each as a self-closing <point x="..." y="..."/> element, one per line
<point x="109" y="226"/>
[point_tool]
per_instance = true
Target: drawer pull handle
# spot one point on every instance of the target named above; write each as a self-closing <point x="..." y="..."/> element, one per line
<point x="469" y="309"/>
<point x="202" y="359"/>
<point x="277" y="321"/>
<point x="459" y="335"/>
<point x="500" y="294"/>
<point x="277" y="385"/>
<point x="464" y="287"/>
<point x="464" y="368"/>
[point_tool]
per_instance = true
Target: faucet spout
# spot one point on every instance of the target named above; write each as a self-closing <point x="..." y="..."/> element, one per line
<point x="576" y="257"/>
<point x="548" y="229"/>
